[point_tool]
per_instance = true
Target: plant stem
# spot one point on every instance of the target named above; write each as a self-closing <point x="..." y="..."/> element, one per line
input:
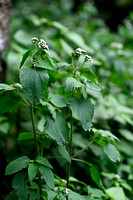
<point x="70" y="151"/>
<point x="36" y="146"/>
<point x="76" y="154"/>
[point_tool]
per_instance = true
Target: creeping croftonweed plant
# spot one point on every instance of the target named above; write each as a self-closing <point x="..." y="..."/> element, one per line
<point x="60" y="91"/>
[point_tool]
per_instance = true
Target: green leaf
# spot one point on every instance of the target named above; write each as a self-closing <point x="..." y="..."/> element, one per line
<point x="105" y="133"/>
<point x="72" y="83"/>
<point x="52" y="76"/>
<point x="57" y="129"/>
<point x="51" y="195"/>
<point x="94" y="192"/>
<point x="95" y="175"/>
<point x="52" y="61"/>
<point x="33" y="194"/>
<point x="66" y="47"/>
<point x="62" y="150"/>
<point x="46" y="64"/>
<point x="92" y="86"/>
<point x="25" y="136"/>
<point x="48" y="176"/>
<point x="43" y="161"/>
<point x="116" y="193"/>
<point x="84" y="111"/>
<point x="6" y="87"/>
<point x="12" y="196"/>
<point x="112" y="152"/>
<point x="25" y="56"/>
<point x="49" y="107"/>
<point x="75" y="196"/>
<point x="128" y="135"/>
<point x="34" y="82"/>
<point x="17" y="165"/>
<point x="19" y="183"/>
<point x="58" y="100"/>
<point x="32" y="171"/>
<point x="7" y="104"/>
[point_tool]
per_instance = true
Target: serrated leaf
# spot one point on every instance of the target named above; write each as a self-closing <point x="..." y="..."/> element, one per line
<point x="52" y="61"/>
<point x="49" y="107"/>
<point x="84" y="111"/>
<point x="34" y="82"/>
<point x="46" y="64"/>
<point x="25" y="56"/>
<point x="116" y="193"/>
<point x="6" y="87"/>
<point x="32" y="171"/>
<point x="48" y="176"/>
<point x="105" y="133"/>
<point x="51" y="195"/>
<point x="112" y="152"/>
<point x="25" y="136"/>
<point x="95" y="175"/>
<point x="17" y="165"/>
<point x="19" y="183"/>
<point x="58" y="100"/>
<point x="62" y="150"/>
<point x="92" y="86"/>
<point x="43" y="161"/>
<point x="7" y="104"/>
<point x="57" y="129"/>
<point x="72" y="83"/>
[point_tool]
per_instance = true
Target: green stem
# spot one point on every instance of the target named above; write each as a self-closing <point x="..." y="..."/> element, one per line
<point x="76" y="154"/>
<point x="36" y="146"/>
<point x="70" y="151"/>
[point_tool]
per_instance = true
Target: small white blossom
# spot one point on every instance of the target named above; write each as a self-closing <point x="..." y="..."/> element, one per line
<point x="79" y="51"/>
<point x="42" y="45"/>
<point x="88" y="58"/>
<point x="34" y="63"/>
<point x="34" y="39"/>
<point x="117" y="176"/>
<point x="66" y="191"/>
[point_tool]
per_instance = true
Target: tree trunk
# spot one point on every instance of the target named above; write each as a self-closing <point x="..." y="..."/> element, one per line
<point x="5" y="16"/>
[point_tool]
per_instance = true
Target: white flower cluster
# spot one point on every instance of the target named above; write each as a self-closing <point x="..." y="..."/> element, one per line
<point x="41" y="44"/>
<point x="34" y="39"/>
<point x="79" y="51"/>
<point x="66" y="191"/>
<point x="88" y="58"/>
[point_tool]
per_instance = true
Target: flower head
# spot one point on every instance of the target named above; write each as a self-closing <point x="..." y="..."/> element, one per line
<point x="66" y="191"/>
<point x="79" y="51"/>
<point x="34" y="39"/>
<point x="88" y="58"/>
<point x="42" y="45"/>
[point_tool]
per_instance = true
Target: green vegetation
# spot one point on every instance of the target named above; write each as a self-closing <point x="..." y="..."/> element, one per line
<point x="66" y="110"/>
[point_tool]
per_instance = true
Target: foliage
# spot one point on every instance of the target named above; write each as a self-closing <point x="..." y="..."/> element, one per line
<point x="62" y="86"/>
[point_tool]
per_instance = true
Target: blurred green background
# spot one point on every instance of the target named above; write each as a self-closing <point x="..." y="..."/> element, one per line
<point x="105" y="30"/>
